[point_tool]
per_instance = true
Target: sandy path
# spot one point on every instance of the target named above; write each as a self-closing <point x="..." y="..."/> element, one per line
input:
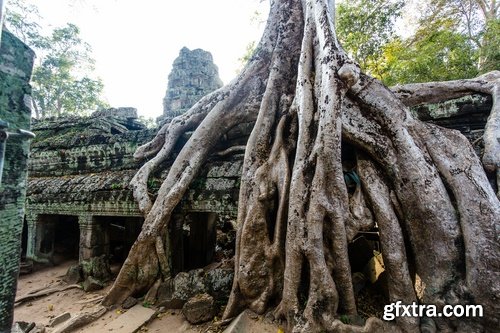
<point x="43" y="309"/>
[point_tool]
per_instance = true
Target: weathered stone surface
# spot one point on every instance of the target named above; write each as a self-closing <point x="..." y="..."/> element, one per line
<point x="131" y="320"/>
<point x="25" y="267"/>
<point x="38" y="329"/>
<point x="165" y="296"/>
<point x="226" y="170"/>
<point x="84" y="165"/>
<point x="199" y="309"/>
<point x="467" y="114"/>
<point x="79" y="145"/>
<point x="126" y="113"/>
<point x="16" y="62"/>
<point x="90" y="177"/>
<point x="129" y="302"/>
<point x="472" y="109"/>
<point x="22" y="327"/>
<point x="175" y="292"/>
<point x="97" y="268"/>
<point x="91" y="284"/>
<point x="193" y="76"/>
<point x="60" y="319"/>
<point x="219" y="282"/>
<point x="73" y="275"/>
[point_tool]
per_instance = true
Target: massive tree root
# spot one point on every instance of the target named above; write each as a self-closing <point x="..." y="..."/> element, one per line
<point x="423" y="185"/>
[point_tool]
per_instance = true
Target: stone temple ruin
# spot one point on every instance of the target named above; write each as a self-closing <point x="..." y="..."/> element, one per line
<point x="79" y="204"/>
<point x="78" y="190"/>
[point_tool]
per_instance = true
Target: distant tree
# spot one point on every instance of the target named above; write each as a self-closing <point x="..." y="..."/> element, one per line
<point x="256" y="19"/>
<point x="148" y="121"/>
<point x="58" y="83"/>
<point x="490" y="49"/>
<point x="435" y="53"/>
<point x="61" y="81"/>
<point x="364" y="27"/>
<point x="454" y="39"/>
<point x="478" y="20"/>
<point x="22" y="21"/>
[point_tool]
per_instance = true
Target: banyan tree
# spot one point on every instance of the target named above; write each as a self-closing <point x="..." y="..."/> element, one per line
<point x="423" y="185"/>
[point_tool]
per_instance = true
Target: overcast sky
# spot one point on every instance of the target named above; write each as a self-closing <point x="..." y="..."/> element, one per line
<point x="135" y="42"/>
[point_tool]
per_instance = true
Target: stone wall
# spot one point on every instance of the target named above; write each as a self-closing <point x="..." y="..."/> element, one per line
<point x="82" y="167"/>
<point x="467" y="114"/>
<point x="16" y="62"/>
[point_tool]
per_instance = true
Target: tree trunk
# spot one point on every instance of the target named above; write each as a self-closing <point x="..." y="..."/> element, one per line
<point x="35" y="107"/>
<point x="425" y="187"/>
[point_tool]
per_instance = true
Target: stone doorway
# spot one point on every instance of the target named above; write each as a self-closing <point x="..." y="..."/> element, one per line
<point x="118" y="235"/>
<point x="193" y="239"/>
<point x="59" y="237"/>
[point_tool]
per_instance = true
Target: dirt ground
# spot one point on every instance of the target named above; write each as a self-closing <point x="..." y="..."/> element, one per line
<point x="45" y="308"/>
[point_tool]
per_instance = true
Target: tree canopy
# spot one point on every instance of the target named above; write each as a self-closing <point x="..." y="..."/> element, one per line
<point x="62" y="80"/>
<point x="454" y="39"/>
<point x="435" y="53"/>
<point x="451" y="39"/>
<point x="364" y="27"/>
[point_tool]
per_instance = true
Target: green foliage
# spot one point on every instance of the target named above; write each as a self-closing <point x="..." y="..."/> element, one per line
<point x="476" y="20"/>
<point x="490" y="49"/>
<point x="364" y="27"/>
<point x="455" y="39"/>
<point x="345" y="319"/>
<point x="148" y="122"/>
<point x="250" y="50"/>
<point x="22" y="21"/>
<point x="154" y="183"/>
<point x="61" y="84"/>
<point x="435" y="53"/>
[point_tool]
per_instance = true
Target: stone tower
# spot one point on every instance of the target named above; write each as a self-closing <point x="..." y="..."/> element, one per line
<point x="193" y="76"/>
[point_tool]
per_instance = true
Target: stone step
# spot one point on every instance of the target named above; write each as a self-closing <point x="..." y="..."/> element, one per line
<point x="131" y="321"/>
